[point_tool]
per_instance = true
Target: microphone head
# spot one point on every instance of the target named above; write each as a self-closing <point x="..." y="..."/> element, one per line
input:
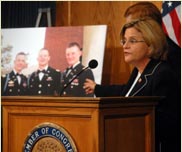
<point x="93" y="64"/>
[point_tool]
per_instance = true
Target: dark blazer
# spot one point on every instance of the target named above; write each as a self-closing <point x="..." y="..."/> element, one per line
<point x="157" y="79"/>
<point x="174" y="57"/>
<point x="76" y="87"/>
<point x="49" y="85"/>
<point x="11" y="87"/>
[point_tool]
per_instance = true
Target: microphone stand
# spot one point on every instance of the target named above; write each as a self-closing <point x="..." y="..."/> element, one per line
<point x="74" y="77"/>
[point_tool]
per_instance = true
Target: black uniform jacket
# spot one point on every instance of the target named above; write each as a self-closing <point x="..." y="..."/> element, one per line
<point x="49" y="85"/>
<point x="75" y="88"/>
<point x="157" y="79"/>
<point x="11" y="87"/>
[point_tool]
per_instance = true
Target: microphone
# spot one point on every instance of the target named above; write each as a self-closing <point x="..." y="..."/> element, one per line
<point x="92" y="64"/>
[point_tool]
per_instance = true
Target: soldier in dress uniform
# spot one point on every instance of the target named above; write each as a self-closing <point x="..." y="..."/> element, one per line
<point x="15" y="83"/>
<point x="75" y="88"/>
<point x="46" y="80"/>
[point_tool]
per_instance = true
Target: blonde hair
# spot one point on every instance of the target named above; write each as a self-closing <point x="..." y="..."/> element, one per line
<point x="153" y="36"/>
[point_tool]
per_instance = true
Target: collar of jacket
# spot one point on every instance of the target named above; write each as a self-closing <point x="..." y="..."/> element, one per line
<point x="142" y="82"/>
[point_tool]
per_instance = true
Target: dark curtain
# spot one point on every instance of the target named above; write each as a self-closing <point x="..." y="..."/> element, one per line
<point x="18" y="14"/>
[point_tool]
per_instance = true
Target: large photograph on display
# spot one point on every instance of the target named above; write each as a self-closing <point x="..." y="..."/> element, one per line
<point x="51" y="61"/>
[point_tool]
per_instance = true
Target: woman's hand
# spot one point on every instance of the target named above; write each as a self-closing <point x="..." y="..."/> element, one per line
<point x="89" y="86"/>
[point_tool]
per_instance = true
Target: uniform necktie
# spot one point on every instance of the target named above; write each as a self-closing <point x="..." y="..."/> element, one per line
<point x="41" y="73"/>
<point x="68" y="70"/>
<point x="18" y="77"/>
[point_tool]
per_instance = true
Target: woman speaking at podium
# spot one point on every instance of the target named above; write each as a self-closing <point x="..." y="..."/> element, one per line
<point x="144" y="45"/>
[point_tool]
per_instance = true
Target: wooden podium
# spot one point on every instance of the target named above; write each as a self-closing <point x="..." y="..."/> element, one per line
<point x="117" y="124"/>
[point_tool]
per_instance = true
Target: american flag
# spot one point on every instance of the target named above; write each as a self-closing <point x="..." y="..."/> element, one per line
<point x="171" y="17"/>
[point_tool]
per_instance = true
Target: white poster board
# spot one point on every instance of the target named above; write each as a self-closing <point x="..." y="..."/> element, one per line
<point x="31" y="40"/>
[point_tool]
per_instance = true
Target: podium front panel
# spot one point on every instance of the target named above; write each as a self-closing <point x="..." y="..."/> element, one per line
<point x="94" y="124"/>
